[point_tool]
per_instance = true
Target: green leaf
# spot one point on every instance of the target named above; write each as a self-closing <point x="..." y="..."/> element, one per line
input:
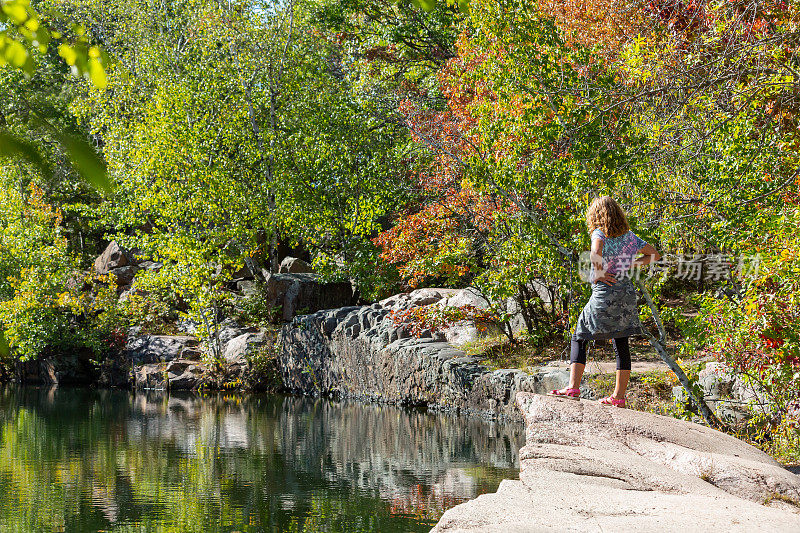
<point x="13" y="146"/>
<point x="87" y="162"/>
<point x="5" y="350"/>
<point x="16" y="12"/>
<point x="16" y="55"/>
<point x="426" y="5"/>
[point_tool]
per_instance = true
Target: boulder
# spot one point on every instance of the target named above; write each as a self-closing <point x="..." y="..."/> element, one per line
<point x="124" y="275"/>
<point x="248" y="288"/>
<point x="417" y="298"/>
<point x="725" y="392"/>
<point x="179" y="374"/>
<point x="130" y="291"/>
<point x="79" y="281"/>
<point x="112" y="257"/>
<point x="716" y="380"/>
<point x="115" y="371"/>
<point x="150" y="376"/>
<point x="74" y="369"/>
<point x="460" y="332"/>
<point x="293" y="265"/>
<point x="229" y="329"/>
<point x="141" y="349"/>
<point x="468" y="296"/>
<point x="293" y="294"/>
<point x="588" y="467"/>
<point x="187" y="325"/>
<point x="237" y="349"/>
<point x="153" y="266"/>
<point x="185" y="375"/>
<point x="242" y="273"/>
<point x="361" y="352"/>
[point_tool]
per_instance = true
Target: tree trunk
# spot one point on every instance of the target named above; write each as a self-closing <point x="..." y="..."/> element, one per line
<point x="660" y="348"/>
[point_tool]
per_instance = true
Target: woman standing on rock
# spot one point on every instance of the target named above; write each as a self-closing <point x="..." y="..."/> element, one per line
<point x="612" y="311"/>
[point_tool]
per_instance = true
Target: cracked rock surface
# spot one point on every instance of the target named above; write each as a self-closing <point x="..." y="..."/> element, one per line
<point x="588" y="467"/>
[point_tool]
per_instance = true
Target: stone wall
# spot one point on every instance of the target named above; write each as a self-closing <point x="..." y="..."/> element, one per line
<point x="358" y="352"/>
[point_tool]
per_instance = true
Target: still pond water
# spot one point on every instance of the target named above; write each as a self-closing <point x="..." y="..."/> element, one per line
<point x="86" y="460"/>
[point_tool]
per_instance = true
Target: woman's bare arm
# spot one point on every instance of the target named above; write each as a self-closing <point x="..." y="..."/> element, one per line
<point x="650" y="255"/>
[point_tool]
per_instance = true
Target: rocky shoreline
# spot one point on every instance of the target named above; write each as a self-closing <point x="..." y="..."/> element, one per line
<point x="319" y="343"/>
<point x="345" y="352"/>
<point x="360" y="352"/>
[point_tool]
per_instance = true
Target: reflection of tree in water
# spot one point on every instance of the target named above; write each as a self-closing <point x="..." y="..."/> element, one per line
<point x="82" y="460"/>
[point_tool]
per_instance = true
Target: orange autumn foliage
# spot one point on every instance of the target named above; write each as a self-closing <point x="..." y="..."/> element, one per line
<point x="438" y="235"/>
<point x="605" y="24"/>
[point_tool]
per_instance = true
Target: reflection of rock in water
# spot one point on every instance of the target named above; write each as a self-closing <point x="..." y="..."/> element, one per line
<point x="388" y="448"/>
<point x="368" y="447"/>
<point x="189" y="420"/>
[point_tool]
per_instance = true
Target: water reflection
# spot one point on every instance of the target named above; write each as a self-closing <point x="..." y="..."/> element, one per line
<point x="82" y="460"/>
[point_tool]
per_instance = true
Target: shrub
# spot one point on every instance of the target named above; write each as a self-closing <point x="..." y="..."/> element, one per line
<point x="759" y="338"/>
<point x="436" y="318"/>
<point x="44" y="309"/>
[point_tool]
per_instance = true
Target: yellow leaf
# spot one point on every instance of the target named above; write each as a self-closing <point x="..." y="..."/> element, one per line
<point x="16" y="12"/>
<point x="97" y="73"/>
<point x="16" y="54"/>
<point x="68" y="53"/>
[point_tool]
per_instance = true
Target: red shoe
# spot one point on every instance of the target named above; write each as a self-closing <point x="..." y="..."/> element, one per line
<point x="610" y="400"/>
<point x="572" y="394"/>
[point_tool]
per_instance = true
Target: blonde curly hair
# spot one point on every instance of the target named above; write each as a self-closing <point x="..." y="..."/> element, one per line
<point x="605" y="213"/>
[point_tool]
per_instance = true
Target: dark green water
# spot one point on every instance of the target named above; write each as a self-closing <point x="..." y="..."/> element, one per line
<point x="84" y="460"/>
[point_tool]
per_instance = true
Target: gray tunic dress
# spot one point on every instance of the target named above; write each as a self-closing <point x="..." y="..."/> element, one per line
<point x="612" y="311"/>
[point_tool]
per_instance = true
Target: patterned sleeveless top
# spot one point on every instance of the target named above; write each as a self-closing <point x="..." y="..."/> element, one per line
<point x="619" y="252"/>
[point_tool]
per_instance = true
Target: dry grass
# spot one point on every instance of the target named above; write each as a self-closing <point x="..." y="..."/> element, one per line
<point x="497" y="352"/>
<point x="781" y="498"/>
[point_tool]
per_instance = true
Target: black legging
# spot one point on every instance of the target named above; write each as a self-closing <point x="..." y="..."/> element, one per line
<point x="621" y="348"/>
